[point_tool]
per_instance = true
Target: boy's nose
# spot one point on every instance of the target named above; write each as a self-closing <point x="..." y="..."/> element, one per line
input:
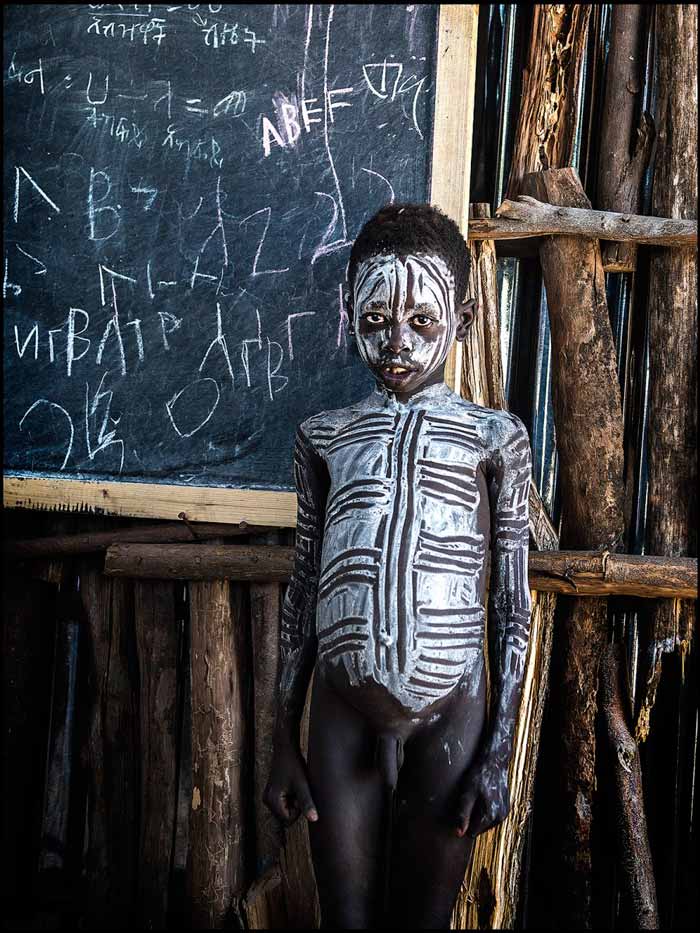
<point x="398" y="338"/>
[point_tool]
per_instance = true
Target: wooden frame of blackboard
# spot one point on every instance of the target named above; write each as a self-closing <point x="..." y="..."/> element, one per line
<point x="449" y="190"/>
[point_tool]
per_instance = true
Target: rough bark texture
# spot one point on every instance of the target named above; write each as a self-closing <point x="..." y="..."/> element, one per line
<point x="527" y="217"/>
<point x="544" y="137"/>
<point x="673" y="333"/>
<point x="200" y="561"/>
<point x="626" y="134"/>
<point x="588" y="421"/>
<point x="216" y="861"/>
<point x="157" y="643"/>
<point x="634" y="854"/>
<point x="489" y="896"/>
<point x="596" y="573"/>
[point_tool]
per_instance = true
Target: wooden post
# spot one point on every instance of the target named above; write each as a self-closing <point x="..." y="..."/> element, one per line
<point x="264" y="902"/>
<point x="546" y="130"/>
<point x="157" y="641"/>
<point x="673" y="334"/>
<point x="588" y="421"/>
<point x="625" y="135"/>
<point x="216" y="876"/>
<point x="489" y="896"/>
<point x="112" y="753"/>
<point x="634" y="854"/>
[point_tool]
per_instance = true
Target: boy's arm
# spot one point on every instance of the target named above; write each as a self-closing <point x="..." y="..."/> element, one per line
<point x="484" y="801"/>
<point x="298" y="640"/>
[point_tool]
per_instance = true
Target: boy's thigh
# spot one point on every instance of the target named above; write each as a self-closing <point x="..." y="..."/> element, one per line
<point x="345" y="841"/>
<point x="429" y="860"/>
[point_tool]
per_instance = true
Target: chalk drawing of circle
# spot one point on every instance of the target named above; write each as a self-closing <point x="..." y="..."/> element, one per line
<point x="193" y="395"/>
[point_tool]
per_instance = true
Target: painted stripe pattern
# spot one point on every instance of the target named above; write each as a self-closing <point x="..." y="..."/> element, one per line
<point x="420" y="496"/>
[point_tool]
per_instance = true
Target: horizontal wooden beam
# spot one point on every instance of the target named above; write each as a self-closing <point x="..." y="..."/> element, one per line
<point x="87" y="542"/>
<point x="528" y="217"/>
<point x="152" y="500"/>
<point x="575" y="573"/>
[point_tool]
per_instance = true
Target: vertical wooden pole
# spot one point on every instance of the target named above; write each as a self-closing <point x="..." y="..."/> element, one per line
<point x="112" y="752"/>
<point x="157" y="638"/>
<point x="673" y="334"/>
<point x="667" y="717"/>
<point x="217" y="822"/>
<point x="626" y="134"/>
<point x="588" y="419"/>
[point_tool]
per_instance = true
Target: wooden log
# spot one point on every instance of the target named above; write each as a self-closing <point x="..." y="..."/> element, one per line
<point x="157" y="647"/>
<point x="527" y="217"/>
<point x="588" y="420"/>
<point x="112" y="752"/>
<point x="29" y="619"/>
<point x="168" y="532"/>
<point x="216" y="867"/>
<point x="266" y="563"/>
<point x="596" y="573"/>
<point x="626" y="133"/>
<point x="490" y="893"/>
<point x="572" y="572"/>
<point x="546" y="129"/>
<point x="634" y="854"/>
<point x="673" y="333"/>
<point x="264" y="901"/>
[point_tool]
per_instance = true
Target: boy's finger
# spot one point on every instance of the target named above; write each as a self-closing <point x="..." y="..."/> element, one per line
<point x="464" y="814"/>
<point x="308" y="807"/>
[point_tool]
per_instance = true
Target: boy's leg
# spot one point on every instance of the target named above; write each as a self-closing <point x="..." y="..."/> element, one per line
<point x="346" y="842"/>
<point x="429" y="860"/>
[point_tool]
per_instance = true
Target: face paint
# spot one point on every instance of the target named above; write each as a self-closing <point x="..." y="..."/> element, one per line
<point x="404" y="318"/>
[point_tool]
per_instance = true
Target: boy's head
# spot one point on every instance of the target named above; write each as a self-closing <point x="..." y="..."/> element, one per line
<point x="408" y="276"/>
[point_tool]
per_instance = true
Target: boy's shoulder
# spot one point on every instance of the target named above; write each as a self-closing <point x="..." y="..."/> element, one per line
<point x="322" y="427"/>
<point x="496" y="426"/>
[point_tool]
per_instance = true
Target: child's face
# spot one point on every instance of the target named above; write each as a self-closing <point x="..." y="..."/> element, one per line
<point x="405" y="319"/>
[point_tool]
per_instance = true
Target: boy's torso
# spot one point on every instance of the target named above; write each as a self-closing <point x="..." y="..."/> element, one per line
<point x="406" y="544"/>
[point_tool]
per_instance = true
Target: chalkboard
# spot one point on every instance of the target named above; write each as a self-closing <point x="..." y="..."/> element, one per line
<point x="183" y="185"/>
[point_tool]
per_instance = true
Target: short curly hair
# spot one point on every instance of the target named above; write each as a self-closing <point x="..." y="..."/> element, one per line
<point x="413" y="229"/>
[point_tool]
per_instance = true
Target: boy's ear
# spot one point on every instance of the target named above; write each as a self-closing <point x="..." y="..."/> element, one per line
<point x="349" y="311"/>
<point x="466" y="312"/>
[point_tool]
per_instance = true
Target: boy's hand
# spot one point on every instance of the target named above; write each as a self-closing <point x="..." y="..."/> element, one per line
<point x="287" y="792"/>
<point x="484" y="800"/>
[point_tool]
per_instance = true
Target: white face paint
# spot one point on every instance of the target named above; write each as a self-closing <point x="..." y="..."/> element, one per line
<point x="404" y="318"/>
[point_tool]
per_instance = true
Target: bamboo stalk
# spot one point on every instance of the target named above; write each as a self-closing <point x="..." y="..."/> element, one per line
<point x="527" y="217"/>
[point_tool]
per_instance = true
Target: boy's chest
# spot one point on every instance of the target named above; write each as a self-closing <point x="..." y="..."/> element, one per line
<point x="408" y="462"/>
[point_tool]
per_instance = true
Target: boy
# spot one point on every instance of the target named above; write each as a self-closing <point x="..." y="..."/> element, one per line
<point x="403" y="501"/>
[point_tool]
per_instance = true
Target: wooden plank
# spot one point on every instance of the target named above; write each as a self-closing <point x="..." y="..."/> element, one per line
<point x="152" y="500"/>
<point x="112" y="753"/>
<point x="527" y="217"/>
<point x="452" y="129"/>
<point x="157" y="645"/>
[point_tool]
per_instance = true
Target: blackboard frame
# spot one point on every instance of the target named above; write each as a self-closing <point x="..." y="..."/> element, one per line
<point x="449" y="190"/>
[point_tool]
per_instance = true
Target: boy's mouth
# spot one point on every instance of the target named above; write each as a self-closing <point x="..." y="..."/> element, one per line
<point x="395" y="373"/>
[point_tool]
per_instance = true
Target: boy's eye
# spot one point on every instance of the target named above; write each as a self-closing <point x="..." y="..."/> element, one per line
<point x="421" y="320"/>
<point x="373" y="317"/>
